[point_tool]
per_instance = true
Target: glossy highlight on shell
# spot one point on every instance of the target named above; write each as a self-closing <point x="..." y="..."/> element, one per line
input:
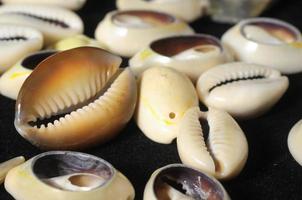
<point x="12" y="80"/>
<point x="164" y="96"/>
<point x="294" y="142"/>
<point x="223" y="154"/>
<point x="16" y="42"/>
<point x="192" y="55"/>
<point x="258" y="40"/>
<point x="55" y="23"/>
<point x="243" y="90"/>
<point x="122" y="31"/>
<point x="6" y="166"/>
<point x="180" y="182"/>
<point x="75" y="99"/>
<point x="67" y="175"/>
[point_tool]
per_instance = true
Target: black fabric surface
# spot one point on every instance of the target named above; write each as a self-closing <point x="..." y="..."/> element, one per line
<point x="270" y="172"/>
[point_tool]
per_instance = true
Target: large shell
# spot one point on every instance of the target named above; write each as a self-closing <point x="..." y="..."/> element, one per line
<point x="75" y="99"/>
<point x="268" y="42"/>
<point x="127" y="32"/>
<point x="191" y="55"/>
<point x="67" y="175"/>
<point x="69" y="4"/>
<point x="188" y="10"/>
<point x="55" y="23"/>
<point x="295" y="142"/>
<point x="225" y="152"/>
<point x="164" y="96"/>
<point x="16" y="42"/>
<point x="5" y="167"/>
<point x="179" y="182"/>
<point x="243" y="90"/>
<point x="12" y="80"/>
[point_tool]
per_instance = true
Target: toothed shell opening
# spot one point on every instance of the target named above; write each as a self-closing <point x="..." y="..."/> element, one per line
<point x="31" y="61"/>
<point x="72" y="171"/>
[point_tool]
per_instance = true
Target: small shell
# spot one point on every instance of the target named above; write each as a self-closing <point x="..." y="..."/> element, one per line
<point x="225" y="152"/>
<point x="243" y="90"/>
<point x="67" y="175"/>
<point x="295" y="142"/>
<point x="179" y="182"/>
<point x="55" y="23"/>
<point x="12" y="80"/>
<point x="191" y="55"/>
<point x="164" y="96"/>
<point x="16" y="42"/>
<point x="188" y="10"/>
<point x="69" y="4"/>
<point x="127" y="32"/>
<point x="67" y="100"/>
<point x="268" y="42"/>
<point x="5" y="167"/>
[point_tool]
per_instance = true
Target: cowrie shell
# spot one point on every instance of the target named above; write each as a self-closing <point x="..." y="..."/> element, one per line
<point x="192" y="55"/>
<point x="164" y="97"/>
<point x="258" y="40"/>
<point x="55" y="23"/>
<point x="6" y="166"/>
<point x="225" y="152"/>
<point x="67" y="175"/>
<point x="243" y="90"/>
<point x="294" y="142"/>
<point x="188" y="10"/>
<point x="16" y="42"/>
<point x="127" y="32"/>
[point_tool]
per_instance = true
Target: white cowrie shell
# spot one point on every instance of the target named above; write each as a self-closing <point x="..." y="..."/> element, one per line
<point x="69" y="4"/>
<point x="55" y="23"/>
<point x="5" y="167"/>
<point x="192" y="55"/>
<point x="188" y="10"/>
<point x="126" y="32"/>
<point x="243" y="90"/>
<point x="266" y="41"/>
<point x="164" y="97"/>
<point x="16" y="42"/>
<point x="225" y="152"/>
<point x="294" y="142"/>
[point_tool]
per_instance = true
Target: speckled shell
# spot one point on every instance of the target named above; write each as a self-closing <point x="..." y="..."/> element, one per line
<point x="188" y="10"/>
<point x="243" y="90"/>
<point x="86" y="88"/>
<point x="55" y="23"/>
<point x="16" y="42"/>
<point x="225" y="152"/>
<point x="285" y="56"/>
<point x="5" y="167"/>
<point x="294" y="142"/>
<point x="12" y="80"/>
<point x="164" y="97"/>
<point x="127" y="32"/>
<point x="69" y="4"/>
<point x="196" y="184"/>
<point x="33" y="180"/>
<point x="191" y="55"/>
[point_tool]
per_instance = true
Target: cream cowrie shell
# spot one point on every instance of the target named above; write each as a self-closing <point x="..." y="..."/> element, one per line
<point x="67" y="175"/>
<point x="55" y="23"/>
<point x="164" y="96"/>
<point x="243" y="90"/>
<point x="294" y="142"/>
<point x="180" y="182"/>
<point x="268" y="42"/>
<point x="69" y="4"/>
<point x="188" y="10"/>
<point x="192" y="55"/>
<point x="6" y="166"/>
<point x="225" y="152"/>
<point x="12" y="80"/>
<point x="127" y="32"/>
<point x="16" y="42"/>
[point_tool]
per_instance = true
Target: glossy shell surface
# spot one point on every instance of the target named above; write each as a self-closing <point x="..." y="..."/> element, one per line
<point x="295" y="142"/>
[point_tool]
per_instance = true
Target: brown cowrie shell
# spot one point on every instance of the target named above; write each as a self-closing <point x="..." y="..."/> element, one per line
<point x="223" y="154"/>
<point x="180" y="182"/>
<point x="75" y="99"/>
<point x="294" y="142"/>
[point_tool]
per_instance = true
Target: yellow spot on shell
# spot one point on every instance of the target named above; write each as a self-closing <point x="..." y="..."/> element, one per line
<point x="145" y="54"/>
<point x="18" y="74"/>
<point x="296" y="44"/>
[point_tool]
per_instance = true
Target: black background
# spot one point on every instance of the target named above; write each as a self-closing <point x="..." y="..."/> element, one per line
<point x="270" y="172"/>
